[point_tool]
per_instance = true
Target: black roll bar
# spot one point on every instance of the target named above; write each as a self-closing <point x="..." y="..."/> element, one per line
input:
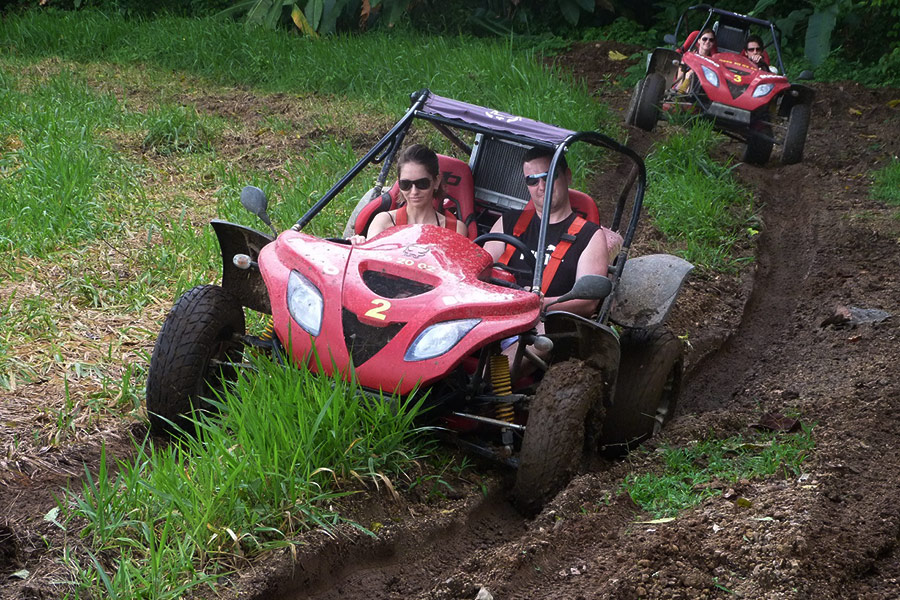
<point x="388" y="138"/>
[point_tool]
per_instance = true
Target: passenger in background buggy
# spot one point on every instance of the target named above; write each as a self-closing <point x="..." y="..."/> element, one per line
<point x="705" y="46"/>
<point x="420" y="182"/>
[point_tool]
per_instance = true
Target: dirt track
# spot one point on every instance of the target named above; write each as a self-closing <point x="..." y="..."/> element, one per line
<point x="831" y="534"/>
<point x="759" y="347"/>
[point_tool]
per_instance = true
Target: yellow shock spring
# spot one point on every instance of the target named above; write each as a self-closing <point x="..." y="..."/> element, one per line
<point x="502" y="387"/>
<point x="269" y="333"/>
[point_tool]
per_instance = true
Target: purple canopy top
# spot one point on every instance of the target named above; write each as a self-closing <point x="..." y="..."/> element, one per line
<point x="494" y="119"/>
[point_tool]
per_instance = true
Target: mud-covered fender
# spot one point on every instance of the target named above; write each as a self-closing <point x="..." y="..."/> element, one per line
<point x="246" y="285"/>
<point x="647" y="290"/>
<point x="596" y="344"/>
<point x="796" y="94"/>
<point x="664" y="61"/>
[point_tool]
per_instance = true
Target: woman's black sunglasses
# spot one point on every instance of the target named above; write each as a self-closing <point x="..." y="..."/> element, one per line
<point x="422" y="184"/>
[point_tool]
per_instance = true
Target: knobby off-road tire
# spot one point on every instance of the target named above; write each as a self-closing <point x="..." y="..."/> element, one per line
<point x="646" y="113"/>
<point x="795" y="138"/>
<point x="201" y="327"/>
<point x="633" y="103"/>
<point x="554" y="436"/>
<point x="647" y="389"/>
<point x="758" y="150"/>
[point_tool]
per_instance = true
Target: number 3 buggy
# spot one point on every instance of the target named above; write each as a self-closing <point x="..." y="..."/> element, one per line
<point x="422" y="308"/>
<point x="746" y="100"/>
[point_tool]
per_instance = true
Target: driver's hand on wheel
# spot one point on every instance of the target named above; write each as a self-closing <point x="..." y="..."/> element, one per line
<point x="357" y="239"/>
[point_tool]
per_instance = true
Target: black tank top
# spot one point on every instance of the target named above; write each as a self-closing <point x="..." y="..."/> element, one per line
<point x="565" y="275"/>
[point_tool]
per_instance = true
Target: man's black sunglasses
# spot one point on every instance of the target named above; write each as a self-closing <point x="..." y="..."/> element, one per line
<point x="422" y="184"/>
<point x="532" y="180"/>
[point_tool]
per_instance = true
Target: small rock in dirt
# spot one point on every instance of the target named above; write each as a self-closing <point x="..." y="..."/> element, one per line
<point x="851" y="316"/>
<point x="484" y="594"/>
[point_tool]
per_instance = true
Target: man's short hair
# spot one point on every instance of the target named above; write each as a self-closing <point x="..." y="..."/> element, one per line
<point x="536" y="152"/>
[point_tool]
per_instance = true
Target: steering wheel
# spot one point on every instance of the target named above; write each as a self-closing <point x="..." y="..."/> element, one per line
<point x="516" y="243"/>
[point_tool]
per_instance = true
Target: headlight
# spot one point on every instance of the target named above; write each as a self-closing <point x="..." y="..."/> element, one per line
<point x="710" y="76"/>
<point x="305" y="303"/>
<point x="762" y="90"/>
<point x="438" y="339"/>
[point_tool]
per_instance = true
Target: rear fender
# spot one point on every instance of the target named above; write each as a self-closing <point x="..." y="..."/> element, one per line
<point x="665" y="61"/>
<point x="247" y="286"/>
<point x="597" y="345"/>
<point x="647" y="290"/>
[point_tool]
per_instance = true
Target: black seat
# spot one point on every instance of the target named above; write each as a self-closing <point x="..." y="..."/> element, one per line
<point x="731" y="37"/>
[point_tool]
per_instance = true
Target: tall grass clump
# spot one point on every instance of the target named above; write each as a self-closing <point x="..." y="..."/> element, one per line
<point x="56" y="177"/>
<point x="694" y="200"/>
<point x="172" y="129"/>
<point x="686" y="474"/>
<point x="266" y="465"/>
<point x="886" y="184"/>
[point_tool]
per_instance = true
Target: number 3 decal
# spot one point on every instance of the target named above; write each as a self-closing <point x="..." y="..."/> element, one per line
<point x="381" y="307"/>
<point x="737" y="78"/>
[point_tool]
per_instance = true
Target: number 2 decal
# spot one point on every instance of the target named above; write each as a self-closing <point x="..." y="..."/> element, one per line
<point x="381" y="307"/>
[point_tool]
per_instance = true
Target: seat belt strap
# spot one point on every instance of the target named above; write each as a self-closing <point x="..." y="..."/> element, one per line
<point x="519" y="228"/>
<point x="559" y="252"/>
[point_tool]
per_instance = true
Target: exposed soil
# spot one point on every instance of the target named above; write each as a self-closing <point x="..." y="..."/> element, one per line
<point x="769" y="340"/>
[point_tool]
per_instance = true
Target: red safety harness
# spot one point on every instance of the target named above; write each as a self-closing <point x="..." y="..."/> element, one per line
<point x="403" y="219"/>
<point x="559" y="252"/>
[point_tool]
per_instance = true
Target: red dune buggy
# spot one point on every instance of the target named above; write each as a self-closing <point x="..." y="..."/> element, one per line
<point x="420" y="308"/>
<point x="754" y="103"/>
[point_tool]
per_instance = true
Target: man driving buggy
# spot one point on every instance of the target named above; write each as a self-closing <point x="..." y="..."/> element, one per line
<point x="575" y="246"/>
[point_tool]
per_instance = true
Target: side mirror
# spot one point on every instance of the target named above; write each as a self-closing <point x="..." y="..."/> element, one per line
<point x="805" y="75"/>
<point x="669" y="38"/>
<point x="255" y="201"/>
<point x="588" y="287"/>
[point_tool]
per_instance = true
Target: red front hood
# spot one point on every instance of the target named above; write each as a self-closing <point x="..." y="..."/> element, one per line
<point x="738" y="80"/>
<point x="379" y="296"/>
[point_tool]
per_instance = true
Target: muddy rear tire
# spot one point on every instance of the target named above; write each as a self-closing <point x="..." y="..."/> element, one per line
<point x="202" y="327"/>
<point x="647" y="111"/>
<point x="647" y="389"/>
<point x="554" y="436"/>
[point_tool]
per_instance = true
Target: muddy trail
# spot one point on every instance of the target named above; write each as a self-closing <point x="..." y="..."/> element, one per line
<point x="770" y="340"/>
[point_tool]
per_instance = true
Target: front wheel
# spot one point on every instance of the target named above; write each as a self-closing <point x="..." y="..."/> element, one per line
<point x="554" y="435"/>
<point x="192" y="356"/>
<point x="795" y="138"/>
<point x="759" y="146"/>
<point x="631" y="111"/>
<point x="647" y="388"/>
<point x="646" y="113"/>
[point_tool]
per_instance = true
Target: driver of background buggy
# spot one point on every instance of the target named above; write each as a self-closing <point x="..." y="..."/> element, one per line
<point x="419" y="177"/>
<point x="588" y="253"/>
<point x="755" y="51"/>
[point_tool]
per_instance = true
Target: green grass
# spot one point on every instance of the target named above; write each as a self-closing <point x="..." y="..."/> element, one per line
<point x="691" y="474"/>
<point x="886" y="184"/>
<point x="380" y="69"/>
<point x="695" y="201"/>
<point x="282" y="447"/>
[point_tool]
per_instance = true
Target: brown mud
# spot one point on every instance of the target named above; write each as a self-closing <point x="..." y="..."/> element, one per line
<point x="764" y="341"/>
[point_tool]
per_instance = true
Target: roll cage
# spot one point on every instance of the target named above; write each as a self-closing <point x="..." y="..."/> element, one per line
<point x="731" y="29"/>
<point x="492" y="128"/>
